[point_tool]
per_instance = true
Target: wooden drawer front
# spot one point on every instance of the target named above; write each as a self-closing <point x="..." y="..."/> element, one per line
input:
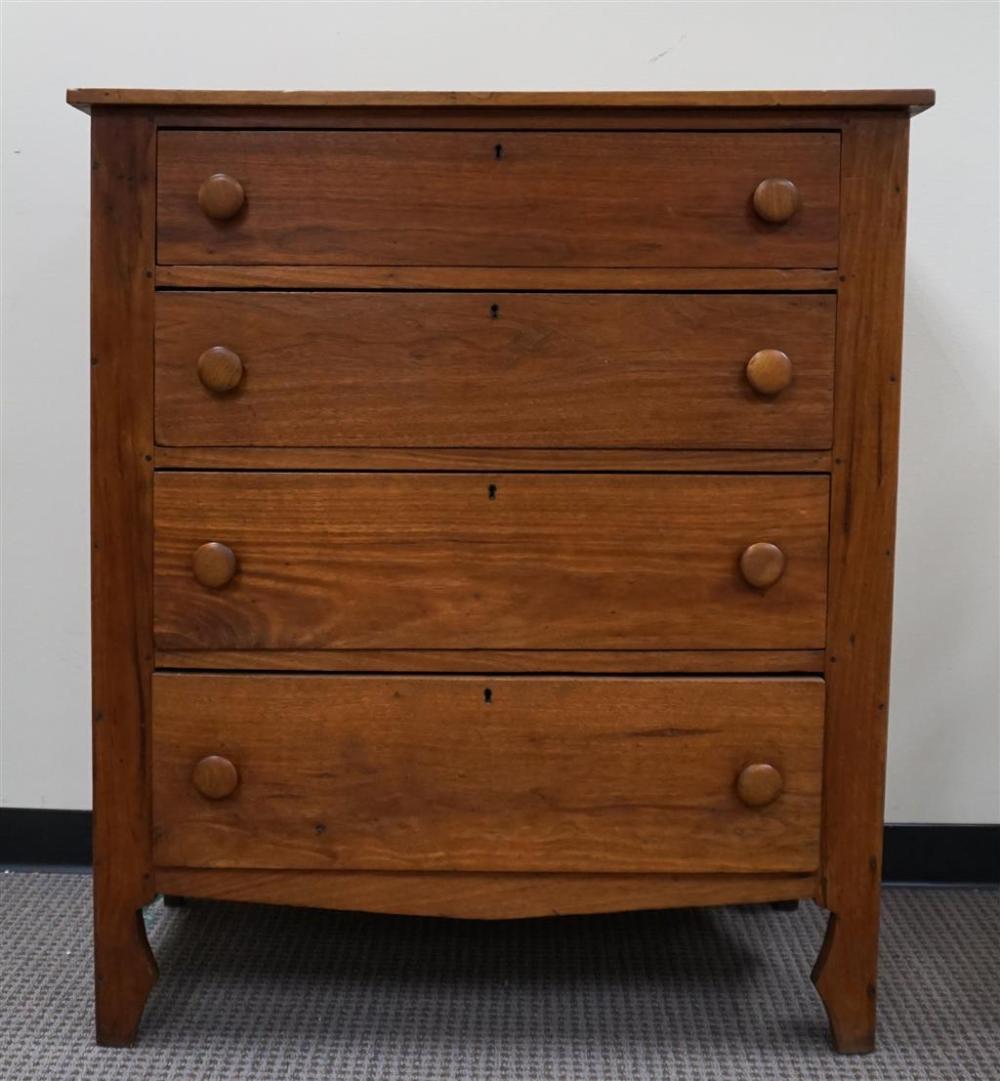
<point x="480" y="774"/>
<point x="493" y="370"/>
<point x="503" y="561"/>
<point x="497" y="198"/>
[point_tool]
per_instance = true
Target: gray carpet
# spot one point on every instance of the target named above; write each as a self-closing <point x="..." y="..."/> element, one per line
<point x="278" y="994"/>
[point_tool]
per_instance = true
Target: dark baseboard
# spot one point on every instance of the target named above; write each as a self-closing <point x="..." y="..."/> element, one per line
<point x="923" y="854"/>
<point x="30" y="837"/>
<point x="942" y="854"/>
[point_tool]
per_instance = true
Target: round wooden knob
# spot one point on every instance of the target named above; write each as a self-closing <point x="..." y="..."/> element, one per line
<point x="762" y="564"/>
<point x="214" y="564"/>
<point x="769" y="371"/>
<point x="215" y="777"/>
<point x="776" y="199"/>
<point x="759" y="784"/>
<point x="221" y="196"/>
<point x="220" y="369"/>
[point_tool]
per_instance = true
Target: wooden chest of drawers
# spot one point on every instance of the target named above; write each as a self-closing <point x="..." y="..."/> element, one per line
<point x="493" y="503"/>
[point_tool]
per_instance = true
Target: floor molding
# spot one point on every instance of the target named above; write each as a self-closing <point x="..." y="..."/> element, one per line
<point x="31" y="837"/>
<point x="941" y="854"/>
<point x="933" y="854"/>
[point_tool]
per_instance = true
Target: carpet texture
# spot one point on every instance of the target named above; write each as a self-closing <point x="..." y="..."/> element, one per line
<point x="253" y="993"/>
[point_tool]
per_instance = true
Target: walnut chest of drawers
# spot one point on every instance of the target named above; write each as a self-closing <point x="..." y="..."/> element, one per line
<point x="493" y="503"/>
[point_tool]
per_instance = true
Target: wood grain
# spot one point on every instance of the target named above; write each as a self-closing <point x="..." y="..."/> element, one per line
<point x="499" y="198"/>
<point x="862" y="558"/>
<point x="488" y="774"/>
<point x="759" y="784"/>
<point x="492" y="370"/>
<point x="122" y="233"/>
<point x="494" y="561"/>
<point x="499" y="118"/>
<point x="768" y="371"/>
<point x="656" y="99"/>
<point x="220" y="370"/>
<point x="550" y="279"/>
<point x="723" y="661"/>
<point x="478" y="460"/>
<point x="214" y="777"/>
<point x="762" y="564"/>
<point x="221" y="197"/>
<point x="621" y="557"/>
<point x="863" y="509"/>
<point x="213" y="565"/>
<point x="776" y="199"/>
<point x="480" y="896"/>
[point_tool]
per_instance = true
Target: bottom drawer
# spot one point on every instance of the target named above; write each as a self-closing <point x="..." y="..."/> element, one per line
<point x="487" y="774"/>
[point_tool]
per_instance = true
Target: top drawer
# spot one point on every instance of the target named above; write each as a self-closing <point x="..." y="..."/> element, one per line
<point x="498" y="199"/>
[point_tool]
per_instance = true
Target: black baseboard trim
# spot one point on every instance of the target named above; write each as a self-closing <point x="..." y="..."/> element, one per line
<point x="42" y="838"/>
<point x="965" y="854"/>
<point x="942" y="854"/>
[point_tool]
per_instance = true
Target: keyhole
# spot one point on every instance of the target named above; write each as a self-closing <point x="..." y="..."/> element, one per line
<point x="487" y="696"/>
<point x="492" y="490"/>
<point x="498" y="151"/>
<point x="494" y="311"/>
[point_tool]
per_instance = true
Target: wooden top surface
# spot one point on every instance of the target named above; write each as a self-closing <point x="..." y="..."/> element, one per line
<point x="914" y="101"/>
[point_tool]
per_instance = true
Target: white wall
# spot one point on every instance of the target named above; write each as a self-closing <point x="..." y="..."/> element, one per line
<point x="943" y="762"/>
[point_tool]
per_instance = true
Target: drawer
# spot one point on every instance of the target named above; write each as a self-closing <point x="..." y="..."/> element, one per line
<point x="494" y="370"/>
<point x="505" y="561"/>
<point x="487" y="774"/>
<point x="526" y="199"/>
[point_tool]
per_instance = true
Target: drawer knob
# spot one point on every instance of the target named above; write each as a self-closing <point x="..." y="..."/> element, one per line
<point x="220" y="369"/>
<point x="221" y="197"/>
<point x="215" y="777"/>
<point x="769" y="371"/>
<point x="776" y="199"/>
<point x="762" y="564"/>
<point x="214" y="564"/>
<point x="759" y="784"/>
